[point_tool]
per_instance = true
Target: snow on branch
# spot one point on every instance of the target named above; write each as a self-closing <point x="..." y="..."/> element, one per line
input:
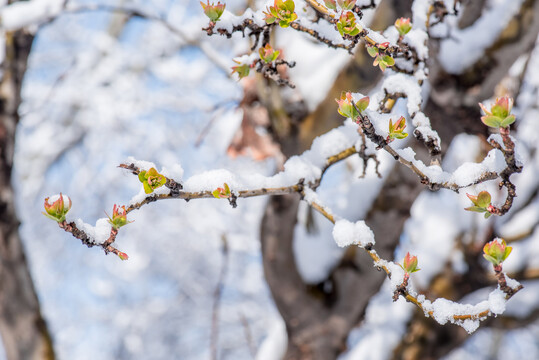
<point x="402" y="51"/>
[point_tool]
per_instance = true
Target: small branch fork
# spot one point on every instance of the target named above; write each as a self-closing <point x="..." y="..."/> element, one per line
<point x="88" y="241"/>
<point x="368" y="129"/>
<point x="508" y="151"/>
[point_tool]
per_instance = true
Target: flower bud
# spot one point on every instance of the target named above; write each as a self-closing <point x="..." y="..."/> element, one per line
<point x="212" y="11"/>
<point x="403" y="26"/>
<point x="119" y="217"/>
<point x="409" y="265"/>
<point x="56" y="207"/>
<point x="396" y="131"/>
<point x="267" y="54"/>
<point x="496" y="251"/>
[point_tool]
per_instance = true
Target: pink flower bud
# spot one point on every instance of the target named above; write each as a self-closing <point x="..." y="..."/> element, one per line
<point x="57" y="207"/>
<point x="409" y="264"/>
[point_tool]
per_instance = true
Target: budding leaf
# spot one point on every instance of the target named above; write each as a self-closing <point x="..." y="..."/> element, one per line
<point x="151" y="180"/>
<point x="403" y="26"/>
<point x="222" y="193"/>
<point x="481" y="202"/>
<point x="213" y="12"/>
<point x="56" y="207"/>
<point x="282" y="11"/>
<point x="499" y="113"/>
<point x="507" y="121"/>
<point x="372" y="50"/>
<point x="331" y="4"/>
<point x="409" y="265"/>
<point x="396" y="131"/>
<point x="496" y="251"/>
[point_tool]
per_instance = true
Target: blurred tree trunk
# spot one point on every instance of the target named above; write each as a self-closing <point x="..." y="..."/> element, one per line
<point x="23" y="330"/>
<point x="319" y="321"/>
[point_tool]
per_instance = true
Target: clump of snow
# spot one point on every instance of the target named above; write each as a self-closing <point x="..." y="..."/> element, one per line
<point x="465" y="175"/>
<point x="307" y="166"/>
<point x="444" y="310"/>
<point x="406" y="84"/>
<point x="274" y="345"/>
<point x="417" y="39"/>
<point x="174" y="172"/>
<point x="512" y="283"/>
<point x="433" y="172"/>
<point x="141" y="164"/>
<point x="246" y="59"/>
<point x="228" y="20"/>
<point x="422" y="124"/>
<point x="468" y="173"/>
<point x="397" y="275"/>
<point x="458" y="53"/>
<point x="347" y="233"/>
<point x="420" y="9"/>
<point x="25" y="13"/>
<point x="98" y="233"/>
<point x="469" y="325"/>
<point x="496" y="301"/>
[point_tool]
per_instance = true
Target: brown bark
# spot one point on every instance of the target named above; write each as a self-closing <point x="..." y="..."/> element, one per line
<point x="23" y="330"/>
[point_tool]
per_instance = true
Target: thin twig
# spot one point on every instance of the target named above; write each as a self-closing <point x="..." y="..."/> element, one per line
<point x="403" y="291"/>
<point x="217" y="295"/>
<point x="248" y="335"/>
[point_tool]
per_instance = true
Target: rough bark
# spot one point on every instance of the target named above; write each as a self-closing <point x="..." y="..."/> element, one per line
<point x="23" y="330"/>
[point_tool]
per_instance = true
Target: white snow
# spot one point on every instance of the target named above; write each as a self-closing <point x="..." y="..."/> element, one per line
<point x="274" y="345"/>
<point x="53" y="198"/>
<point x="465" y="46"/>
<point x="347" y="233"/>
<point x="25" y="13"/>
<point x="98" y="233"/>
